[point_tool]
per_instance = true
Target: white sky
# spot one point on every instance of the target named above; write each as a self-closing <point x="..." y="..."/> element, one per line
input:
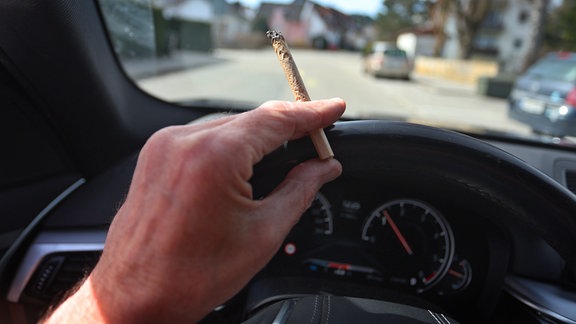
<point x="366" y="7"/>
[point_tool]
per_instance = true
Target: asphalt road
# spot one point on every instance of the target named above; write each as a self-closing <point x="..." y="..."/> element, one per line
<point x="256" y="76"/>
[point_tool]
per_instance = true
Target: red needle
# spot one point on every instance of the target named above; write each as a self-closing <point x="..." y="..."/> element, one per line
<point x="455" y="273"/>
<point x="399" y="235"/>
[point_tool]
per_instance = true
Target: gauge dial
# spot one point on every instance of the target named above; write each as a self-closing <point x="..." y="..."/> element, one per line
<point x="457" y="278"/>
<point x="318" y="218"/>
<point x="412" y="242"/>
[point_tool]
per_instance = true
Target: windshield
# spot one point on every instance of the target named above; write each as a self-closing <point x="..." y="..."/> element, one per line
<point x="462" y="57"/>
<point x="557" y="69"/>
<point x="395" y="53"/>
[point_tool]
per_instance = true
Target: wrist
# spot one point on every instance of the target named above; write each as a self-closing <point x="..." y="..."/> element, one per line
<point x="81" y="307"/>
<point x="127" y="296"/>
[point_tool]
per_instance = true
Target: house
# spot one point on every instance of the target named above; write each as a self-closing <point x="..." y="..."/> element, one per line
<point x="232" y="26"/>
<point x="206" y="24"/>
<point x="417" y="42"/>
<point x="190" y="10"/>
<point x="187" y="23"/>
<point x="308" y="24"/>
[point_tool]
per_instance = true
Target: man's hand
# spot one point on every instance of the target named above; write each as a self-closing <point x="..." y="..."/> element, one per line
<point x="190" y="235"/>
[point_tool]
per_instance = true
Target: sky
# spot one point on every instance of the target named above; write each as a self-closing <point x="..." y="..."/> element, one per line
<point x="366" y="7"/>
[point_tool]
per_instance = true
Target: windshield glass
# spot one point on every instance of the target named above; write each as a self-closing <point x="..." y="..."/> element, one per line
<point x="396" y="53"/>
<point x="563" y="70"/>
<point x="461" y="57"/>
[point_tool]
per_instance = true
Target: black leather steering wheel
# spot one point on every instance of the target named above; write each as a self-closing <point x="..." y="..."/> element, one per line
<point x="408" y="155"/>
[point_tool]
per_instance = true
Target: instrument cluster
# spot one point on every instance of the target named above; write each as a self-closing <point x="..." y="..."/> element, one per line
<point x="394" y="241"/>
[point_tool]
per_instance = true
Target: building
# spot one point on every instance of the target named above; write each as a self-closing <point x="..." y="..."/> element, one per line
<point x="232" y="25"/>
<point x="185" y="25"/>
<point x="417" y="42"/>
<point x="206" y="24"/>
<point x="304" y="23"/>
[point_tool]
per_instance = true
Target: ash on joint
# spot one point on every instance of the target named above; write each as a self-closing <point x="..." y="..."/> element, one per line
<point x="272" y="34"/>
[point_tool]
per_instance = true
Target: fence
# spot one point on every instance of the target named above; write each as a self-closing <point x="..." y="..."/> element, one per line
<point x="465" y="71"/>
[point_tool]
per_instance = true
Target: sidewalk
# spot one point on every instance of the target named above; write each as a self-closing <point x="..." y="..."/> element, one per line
<point x="146" y="67"/>
<point x="454" y="88"/>
<point x="438" y="82"/>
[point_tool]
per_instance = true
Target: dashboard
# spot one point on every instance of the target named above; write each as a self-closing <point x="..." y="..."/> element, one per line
<point x="463" y="230"/>
<point x="413" y="218"/>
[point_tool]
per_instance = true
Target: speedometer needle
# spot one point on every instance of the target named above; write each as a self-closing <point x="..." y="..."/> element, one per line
<point x="399" y="235"/>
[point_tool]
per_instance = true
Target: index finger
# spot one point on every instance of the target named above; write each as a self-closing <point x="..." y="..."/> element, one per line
<point x="270" y="125"/>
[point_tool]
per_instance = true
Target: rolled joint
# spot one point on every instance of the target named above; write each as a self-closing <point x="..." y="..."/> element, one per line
<point x="298" y="89"/>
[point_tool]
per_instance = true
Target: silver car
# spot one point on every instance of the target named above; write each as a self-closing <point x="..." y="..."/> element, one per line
<point x="387" y="60"/>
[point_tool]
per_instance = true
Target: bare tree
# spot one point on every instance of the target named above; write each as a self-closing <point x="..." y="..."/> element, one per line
<point x="399" y="15"/>
<point x="538" y="14"/>
<point x="469" y="16"/>
<point x="439" y="16"/>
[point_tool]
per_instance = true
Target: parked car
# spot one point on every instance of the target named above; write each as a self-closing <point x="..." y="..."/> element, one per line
<point x="544" y="97"/>
<point x="387" y="60"/>
<point x="425" y="220"/>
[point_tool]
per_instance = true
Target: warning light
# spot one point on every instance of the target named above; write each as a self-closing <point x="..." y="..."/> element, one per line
<point x="290" y="248"/>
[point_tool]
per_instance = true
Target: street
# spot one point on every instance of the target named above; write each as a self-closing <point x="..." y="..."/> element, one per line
<point x="256" y="76"/>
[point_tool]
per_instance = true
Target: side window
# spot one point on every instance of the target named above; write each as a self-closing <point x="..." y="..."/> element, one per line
<point x="129" y="24"/>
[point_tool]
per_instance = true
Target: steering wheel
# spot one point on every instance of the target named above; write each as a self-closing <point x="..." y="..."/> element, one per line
<point x="507" y="190"/>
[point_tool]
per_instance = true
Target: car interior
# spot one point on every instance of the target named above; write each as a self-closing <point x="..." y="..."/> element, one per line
<point x="489" y="222"/>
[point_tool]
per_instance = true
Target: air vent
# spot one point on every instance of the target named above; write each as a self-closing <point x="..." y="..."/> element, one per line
<point x="59" y="272"/>
<point x="570" y="178"/>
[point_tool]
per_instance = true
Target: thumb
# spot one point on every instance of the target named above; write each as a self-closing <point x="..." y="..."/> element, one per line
<point x="284" y="206"/>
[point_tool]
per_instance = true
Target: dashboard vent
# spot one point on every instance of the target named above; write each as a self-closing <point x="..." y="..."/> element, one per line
<point x="59" y="272"/>
<point x="570" y="178"/>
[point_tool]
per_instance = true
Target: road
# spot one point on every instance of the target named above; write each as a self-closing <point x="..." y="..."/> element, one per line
<point x="256" y="76"/>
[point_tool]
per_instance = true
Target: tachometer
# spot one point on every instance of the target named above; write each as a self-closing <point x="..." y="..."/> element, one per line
<point x="412" y="243"/>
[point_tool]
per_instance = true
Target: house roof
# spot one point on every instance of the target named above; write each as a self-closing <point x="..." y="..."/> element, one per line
<point x="334" y="18"/>
<point x="293" y="11"/>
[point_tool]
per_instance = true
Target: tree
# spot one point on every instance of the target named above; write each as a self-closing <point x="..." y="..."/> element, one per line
<point x="469" y="16"/>
<point x="403" y="14"/>
<point x="399" y="15"/>
<point x="538" y="16"/>
<point x="439" y="16"/>
<point x="560" y="28"/>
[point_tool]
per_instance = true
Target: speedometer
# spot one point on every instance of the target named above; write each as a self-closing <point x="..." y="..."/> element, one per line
<point x="412" y="243"/>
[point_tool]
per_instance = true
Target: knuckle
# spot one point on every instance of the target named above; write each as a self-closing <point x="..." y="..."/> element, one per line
<point x="160" y="140"/>
<point x="280" y="115"/>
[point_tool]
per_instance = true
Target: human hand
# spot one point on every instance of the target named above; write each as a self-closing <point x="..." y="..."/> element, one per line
<point x="190" y="235"/>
